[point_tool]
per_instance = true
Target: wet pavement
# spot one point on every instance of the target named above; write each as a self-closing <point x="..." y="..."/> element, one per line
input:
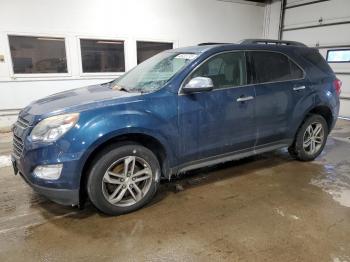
<point x="264" y="208"/>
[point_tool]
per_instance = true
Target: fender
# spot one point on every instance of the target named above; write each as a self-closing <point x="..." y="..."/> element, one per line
<point x="310" y="102"/>
<point x="301" y="109"/>
<point x="109" y="124"/>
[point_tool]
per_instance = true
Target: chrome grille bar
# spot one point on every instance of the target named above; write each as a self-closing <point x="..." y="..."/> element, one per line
<point x="21" y="122"/>
<point x="17" y="146"/>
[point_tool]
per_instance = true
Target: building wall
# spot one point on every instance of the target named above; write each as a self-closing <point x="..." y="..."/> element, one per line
<point x="183" y="22"/>
<point x="272" y="19"/>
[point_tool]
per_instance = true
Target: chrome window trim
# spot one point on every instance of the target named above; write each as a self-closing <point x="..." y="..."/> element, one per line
<point x="247" y="85"/>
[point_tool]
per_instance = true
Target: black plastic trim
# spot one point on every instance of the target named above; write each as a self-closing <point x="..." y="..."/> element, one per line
<point x="332" y="46"/>
<point x="342" y="73"/>
<point x="236" y="155"/>
<point x="66" y="197"/>
<point x="304" y="4"/>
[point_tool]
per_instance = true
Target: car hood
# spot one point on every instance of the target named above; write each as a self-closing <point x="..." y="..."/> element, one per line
<point x="75" y="100"/>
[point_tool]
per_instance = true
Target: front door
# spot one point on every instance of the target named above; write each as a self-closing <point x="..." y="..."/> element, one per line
<point x="222" y="120"/>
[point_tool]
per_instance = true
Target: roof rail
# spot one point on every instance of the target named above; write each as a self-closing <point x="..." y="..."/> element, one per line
<point x="212" y="43"/>
<point x="271" y="42"/>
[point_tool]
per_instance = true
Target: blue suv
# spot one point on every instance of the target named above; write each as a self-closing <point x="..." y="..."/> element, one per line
<point x="179" y="110"/>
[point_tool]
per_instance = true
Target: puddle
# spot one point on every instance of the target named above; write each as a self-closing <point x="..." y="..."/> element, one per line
<point x="336" y="182"/>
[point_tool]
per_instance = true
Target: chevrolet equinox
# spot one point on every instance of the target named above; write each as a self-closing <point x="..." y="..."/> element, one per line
<point x="179" y="110"/>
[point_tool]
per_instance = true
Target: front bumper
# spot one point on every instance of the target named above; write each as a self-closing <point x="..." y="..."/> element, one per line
<point x="57" y="195"/>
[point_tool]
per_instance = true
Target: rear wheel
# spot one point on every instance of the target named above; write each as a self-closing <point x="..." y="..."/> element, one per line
<point x="310" y="139"/>
<point x="123" y="179"/>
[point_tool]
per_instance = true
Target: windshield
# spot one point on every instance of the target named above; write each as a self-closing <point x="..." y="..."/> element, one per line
<point x="153" y="73"/>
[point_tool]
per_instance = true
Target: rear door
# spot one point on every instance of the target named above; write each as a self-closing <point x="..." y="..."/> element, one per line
<point x="279" y="84"/>
<point x="222" y="120"/>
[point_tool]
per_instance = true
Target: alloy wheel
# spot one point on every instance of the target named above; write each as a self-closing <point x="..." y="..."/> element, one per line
<point x="127" y="181"/>
<point x="313" y="138"/>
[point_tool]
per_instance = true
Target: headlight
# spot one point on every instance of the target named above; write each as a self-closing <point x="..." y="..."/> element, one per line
<point x="52" y="128"/>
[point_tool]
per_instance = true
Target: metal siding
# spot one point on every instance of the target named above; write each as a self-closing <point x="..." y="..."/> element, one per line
<point x="310" y="14"/>
<point x="334" y="11"/>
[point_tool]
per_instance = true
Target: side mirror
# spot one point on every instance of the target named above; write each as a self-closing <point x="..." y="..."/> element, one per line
<point x="198" y="84"/>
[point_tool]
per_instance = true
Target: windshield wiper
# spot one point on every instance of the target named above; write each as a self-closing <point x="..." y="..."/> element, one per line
<point x="106" y="83"/>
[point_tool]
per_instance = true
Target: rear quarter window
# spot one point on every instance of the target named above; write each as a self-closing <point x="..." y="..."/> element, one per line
<point x="314" y="58"/>
<point x="274" y="67"/>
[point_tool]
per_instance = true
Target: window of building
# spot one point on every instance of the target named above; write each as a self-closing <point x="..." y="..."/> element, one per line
<point x="38" y="55"/>
<point x="274" y="67"/>
<point x="338" y="56"/>
<point x="99" y="56"/>
<point x="225" y="70"/>
<point x="146" y="50"/>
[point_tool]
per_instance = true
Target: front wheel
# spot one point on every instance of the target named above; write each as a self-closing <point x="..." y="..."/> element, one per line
<point x="310" y="139"/>
<point x="123" y="179"/>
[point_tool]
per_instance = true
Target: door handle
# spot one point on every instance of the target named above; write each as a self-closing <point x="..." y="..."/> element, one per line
<point x="245" y="98"/>
<point x="299" y="88"/>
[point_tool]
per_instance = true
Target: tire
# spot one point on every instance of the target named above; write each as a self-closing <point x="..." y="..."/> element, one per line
<point x="310" y="139"/>
<point x="114" y="191"/>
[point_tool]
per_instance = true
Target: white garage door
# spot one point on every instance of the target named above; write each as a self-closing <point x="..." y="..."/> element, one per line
<point x="324" y="24"/>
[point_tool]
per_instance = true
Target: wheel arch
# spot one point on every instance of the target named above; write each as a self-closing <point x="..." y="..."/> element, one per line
<point x="321" y="110"/>
<point x="152" y="143"/>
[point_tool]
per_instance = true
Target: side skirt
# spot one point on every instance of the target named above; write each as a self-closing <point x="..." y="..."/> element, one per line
<point x="236" y="155"/>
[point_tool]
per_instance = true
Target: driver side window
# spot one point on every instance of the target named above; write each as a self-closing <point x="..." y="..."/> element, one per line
<point x="225" y="70"/>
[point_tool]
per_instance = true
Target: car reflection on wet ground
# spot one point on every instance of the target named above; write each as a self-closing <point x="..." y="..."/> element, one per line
<point x="267" y="207"/>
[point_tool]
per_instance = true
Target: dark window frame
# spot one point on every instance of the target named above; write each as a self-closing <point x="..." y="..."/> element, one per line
<point x="254" y="75"/>
<point x="39" y="75"/>
<point x="250" y="72"/>
<point x="337" y="62"/>
<point x="151" y="41"/>
<point x="105" y="39"/>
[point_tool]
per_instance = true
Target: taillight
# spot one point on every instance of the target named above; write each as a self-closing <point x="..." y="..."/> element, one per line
<point x="337" y="86"/>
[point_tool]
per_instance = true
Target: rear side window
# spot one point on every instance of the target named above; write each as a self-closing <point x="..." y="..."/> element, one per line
<point x="273" y="67"/>
<point x="225" y="70"/>
<point x="316" y="59"/>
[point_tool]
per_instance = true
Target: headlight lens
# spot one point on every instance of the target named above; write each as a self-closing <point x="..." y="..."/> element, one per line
<point x="52" y="128"/>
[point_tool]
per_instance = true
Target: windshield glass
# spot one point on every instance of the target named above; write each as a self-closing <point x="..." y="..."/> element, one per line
<point x="153" y="73"/>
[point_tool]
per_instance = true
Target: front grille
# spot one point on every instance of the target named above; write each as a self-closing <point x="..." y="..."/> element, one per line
<point x="17" y="146"/>
<point x="20" y="132"/>
<point x="21" y="122"/>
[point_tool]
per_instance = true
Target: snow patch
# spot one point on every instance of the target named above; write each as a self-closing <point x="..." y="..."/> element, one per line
<point x="5" y="161"/>
<point x="282" y="214"/>
<point x="294" y="217"/>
